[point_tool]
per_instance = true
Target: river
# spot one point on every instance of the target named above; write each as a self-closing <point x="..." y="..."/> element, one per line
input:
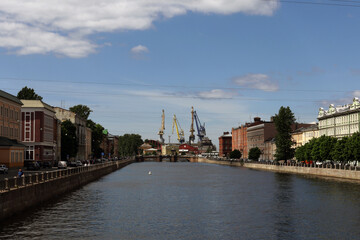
<point x="196" y="201"/>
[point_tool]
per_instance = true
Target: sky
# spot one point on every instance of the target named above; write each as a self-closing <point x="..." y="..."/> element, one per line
<point x="232" y="60"/>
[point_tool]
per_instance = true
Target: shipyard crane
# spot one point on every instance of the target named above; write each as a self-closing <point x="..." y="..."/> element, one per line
<point x="180" y="133"/>
<point x="200" y="127"/>
<point x="162" y="128"/>
<point x="192" y="136"/>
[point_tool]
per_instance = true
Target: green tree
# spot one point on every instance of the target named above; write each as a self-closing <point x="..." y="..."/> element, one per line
<point x="82" y="110"/>
<point x="327" y="146"/>
<point x="300" y="153"/>
<point x="353" y="147"/>
<point x="322" y="148"/>
<point x="97" y="137"/>
<point x="254" y="153"/>
<point x="340" y="152"/>
<point x="283" y="121"/>
<point x="69" y="141"/>
<point x="129" y="144"/>
<point x="235" y="154"/>
<point x="28" y="94"/>
<point x="308" y="149"/>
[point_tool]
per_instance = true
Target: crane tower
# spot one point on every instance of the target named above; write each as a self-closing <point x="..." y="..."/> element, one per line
<point x="162" y="128"/>
<point x="192" y="136"/>
<point x="180" y="133"/>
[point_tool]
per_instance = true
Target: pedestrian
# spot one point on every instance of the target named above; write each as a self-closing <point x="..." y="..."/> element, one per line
<point x="20" y="173"/>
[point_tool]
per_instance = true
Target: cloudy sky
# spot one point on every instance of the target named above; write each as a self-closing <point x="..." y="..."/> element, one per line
<point x="230" y="59"/>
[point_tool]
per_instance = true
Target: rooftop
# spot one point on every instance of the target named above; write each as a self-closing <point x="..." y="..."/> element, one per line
<point x="36" y="104"/>
<point x="10" y="97"/>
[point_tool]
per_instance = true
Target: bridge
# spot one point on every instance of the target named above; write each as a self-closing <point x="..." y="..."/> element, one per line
<point x="161" y="158"/>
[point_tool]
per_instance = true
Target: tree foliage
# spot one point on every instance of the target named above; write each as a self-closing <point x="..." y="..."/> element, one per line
<point x="69" y="141"/>
<point x="129" y="144"/>
<point x="28" y="94"/>
<point x="82" y="110"/>
<point x="254" y="153"/>
<point x="330" y="148"/>
<point x="97" y="137"/>
<point x="283" y="121"/>
<point x="235" y="154"/>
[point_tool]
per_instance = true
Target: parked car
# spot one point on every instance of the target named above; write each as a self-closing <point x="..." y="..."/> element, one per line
<point x="78" y="163"/>
<point x="328" y="163"/>
<point x="47" y="164"/>
<point x="3" y="169"/>
<point x="62" y="164"/>
<point x="72" y="164"/>
<point x="33" y="166"/>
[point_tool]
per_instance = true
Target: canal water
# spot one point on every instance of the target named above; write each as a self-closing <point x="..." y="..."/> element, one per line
<point x="196" y="201"/>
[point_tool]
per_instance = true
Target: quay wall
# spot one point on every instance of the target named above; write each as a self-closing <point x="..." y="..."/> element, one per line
<point x="30" y="192"/>
<point x="352" y="174"/>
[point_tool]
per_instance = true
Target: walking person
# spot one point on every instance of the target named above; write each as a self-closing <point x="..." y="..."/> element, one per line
<point x="20" y="173"/>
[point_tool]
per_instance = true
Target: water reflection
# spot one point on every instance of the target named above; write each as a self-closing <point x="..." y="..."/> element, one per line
<point x="196" y="201"/>
<point x="283" y="204"/>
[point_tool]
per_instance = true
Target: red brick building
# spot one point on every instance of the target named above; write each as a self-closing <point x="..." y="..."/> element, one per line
<point x="39" y="131"/>
<point x="225" y="142"/>
<point x="11" y="151"/>
<point x="240" y="137"/>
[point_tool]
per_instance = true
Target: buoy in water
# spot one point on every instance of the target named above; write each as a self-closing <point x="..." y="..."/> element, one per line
<point x="149" y="172"/>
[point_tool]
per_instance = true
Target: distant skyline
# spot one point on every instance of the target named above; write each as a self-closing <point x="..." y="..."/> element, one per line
<point x="231" y="60"/>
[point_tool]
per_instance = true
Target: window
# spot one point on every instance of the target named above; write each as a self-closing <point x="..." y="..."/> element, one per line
<point x="29" y="153"/>
<point x="12" y="156"/>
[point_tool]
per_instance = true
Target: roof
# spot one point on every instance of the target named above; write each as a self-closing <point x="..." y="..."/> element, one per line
<point x="145" y="146"/>
<point x="6" y="142"/>
<point x="36" y="104"/>
<point x="10" y="97"/>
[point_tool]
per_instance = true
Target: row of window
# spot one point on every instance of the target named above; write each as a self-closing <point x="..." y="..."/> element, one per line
<point x="9" y="113"/>
<point x="9" y="132"/>
<point x="16" y="156"/>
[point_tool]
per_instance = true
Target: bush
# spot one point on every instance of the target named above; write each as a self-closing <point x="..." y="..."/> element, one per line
<point x="235" y="154"/>
<point x="254" y="153"/>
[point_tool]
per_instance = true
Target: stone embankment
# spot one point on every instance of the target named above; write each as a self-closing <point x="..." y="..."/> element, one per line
<point x="319" y="171"/>
<point x="18" y="194"/>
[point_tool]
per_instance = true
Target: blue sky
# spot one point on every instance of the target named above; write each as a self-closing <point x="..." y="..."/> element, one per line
<point x="231" y="60"/>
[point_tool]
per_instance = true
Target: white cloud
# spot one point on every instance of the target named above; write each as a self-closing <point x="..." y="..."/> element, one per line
<point x="257" y="81"/>
<point x="139" y="51"/>
<point x="64" y="26"/>
<point x="356" y="93"/>
<point x="217" y="94"/>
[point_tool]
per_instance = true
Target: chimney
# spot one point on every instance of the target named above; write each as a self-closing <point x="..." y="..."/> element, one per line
<point x="257" y="119"/>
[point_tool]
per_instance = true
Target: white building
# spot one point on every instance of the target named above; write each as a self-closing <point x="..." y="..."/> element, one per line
<point x="340" y="121"/>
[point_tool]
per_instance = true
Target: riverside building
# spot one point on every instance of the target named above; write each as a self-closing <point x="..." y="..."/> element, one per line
<point x="11" y="151"/>
<point x="340" y="121"/>
<point x="40" y="131"/>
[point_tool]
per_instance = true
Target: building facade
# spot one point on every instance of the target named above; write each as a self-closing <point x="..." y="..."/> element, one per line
<point x="270" y="149"/>
<point x="340" y="121"/>
<point x="10" y="119"/>
<point x="39" y="131"/>
<point x="11" y="151"/>
<point x="225" y="144"/>
<point x="239" y="139"/>
<point x="258" y="134"/>
<point x="310" y="133"/>
<point x="81" y="131"/>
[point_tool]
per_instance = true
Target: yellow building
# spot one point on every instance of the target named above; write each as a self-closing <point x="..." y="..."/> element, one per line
<point x="170" y="149"/>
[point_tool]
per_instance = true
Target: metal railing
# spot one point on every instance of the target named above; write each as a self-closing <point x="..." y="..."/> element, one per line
<point x="313" y="165"/>
<point x="30" y="179"/>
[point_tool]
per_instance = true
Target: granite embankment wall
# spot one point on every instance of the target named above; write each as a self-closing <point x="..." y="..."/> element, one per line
<point x="353" y="174"/>
<point x="21" y="194"/>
